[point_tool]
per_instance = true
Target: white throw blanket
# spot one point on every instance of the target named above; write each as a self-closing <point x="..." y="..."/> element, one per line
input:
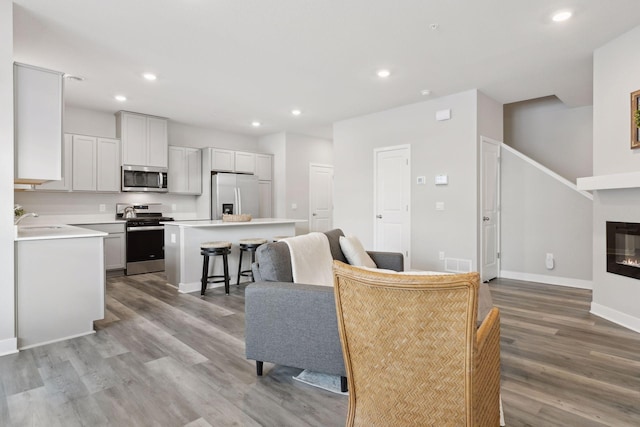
<point x="311" y="261"/>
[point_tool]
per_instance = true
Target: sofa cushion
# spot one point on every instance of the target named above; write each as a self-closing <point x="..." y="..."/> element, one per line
<point x="334" y="244"/>
<point x="274" y="260"/>
<point x="355" y="253"/>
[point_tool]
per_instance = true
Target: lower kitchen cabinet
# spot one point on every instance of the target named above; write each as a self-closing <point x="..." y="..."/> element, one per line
<point x="115" y="248"/>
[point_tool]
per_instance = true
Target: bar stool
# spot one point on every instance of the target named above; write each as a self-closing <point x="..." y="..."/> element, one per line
<point x="209" y="249"/>
<point x="248" y="245"/>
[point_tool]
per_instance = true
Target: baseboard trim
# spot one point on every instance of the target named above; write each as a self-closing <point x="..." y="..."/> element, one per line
<point x="616" y="316"/>
<point x="548" y="280"/>
<point x="8" y="346"/>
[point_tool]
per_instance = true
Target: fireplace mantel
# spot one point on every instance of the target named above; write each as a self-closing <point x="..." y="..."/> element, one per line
<point x="609" y="182"/>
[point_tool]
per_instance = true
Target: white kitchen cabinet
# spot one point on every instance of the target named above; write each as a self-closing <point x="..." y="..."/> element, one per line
<point x="222" y="160"/>
<point x="266" y="199"/>
<point x="38" y="107"/>
<point x="115" y="248"/>
<point x="63" y="184"/>
<point x="144" y="139"/>
<point x="95" y="164"/>
<point x="84" y="160"/>
<point x="108" y="165"/>
<point x="185" y="169"/>
<point x="245" y="162"/>
<point x="264" y="164"/>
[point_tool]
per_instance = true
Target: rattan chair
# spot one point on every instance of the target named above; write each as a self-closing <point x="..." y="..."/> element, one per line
<point x="413" y="352"/>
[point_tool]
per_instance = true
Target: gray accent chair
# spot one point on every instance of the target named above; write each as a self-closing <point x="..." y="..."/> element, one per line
<point x="295" y="324"/>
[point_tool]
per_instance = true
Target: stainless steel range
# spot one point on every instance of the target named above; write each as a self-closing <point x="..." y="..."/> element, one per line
<point x="145" y="236"/>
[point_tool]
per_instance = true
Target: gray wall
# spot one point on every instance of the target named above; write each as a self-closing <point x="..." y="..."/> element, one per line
<point x="541" y="215"/>
<point x="616" y="75"/>
<point x="7" y="296"/>
<point x="552" y="134"/>
<point x="437" y="147"/>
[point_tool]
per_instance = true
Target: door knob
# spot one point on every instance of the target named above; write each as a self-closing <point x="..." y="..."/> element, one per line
<point x="379" y="216"/>
<point x="485" y="218"/>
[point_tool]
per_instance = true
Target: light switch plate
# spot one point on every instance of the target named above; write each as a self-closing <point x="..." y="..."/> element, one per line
<point x="442" y="179"/>
<point x="439" y="206"/>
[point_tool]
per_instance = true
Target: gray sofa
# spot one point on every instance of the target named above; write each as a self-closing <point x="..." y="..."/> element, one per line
<point x="295" y="324"/>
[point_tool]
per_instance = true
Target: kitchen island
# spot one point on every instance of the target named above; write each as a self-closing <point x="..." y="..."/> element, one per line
<point x="182" y="239"/>
<point x="60" y="282"/>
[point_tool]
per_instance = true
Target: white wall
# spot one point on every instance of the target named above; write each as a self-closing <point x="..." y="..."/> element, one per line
<point x="8" y="341"/>
<point x="541" y="215"/>
<point x="301" y="151"/>
<point x="552" y="134"/>
<point x="446" y="147"/>
<point x="616" y="75"/>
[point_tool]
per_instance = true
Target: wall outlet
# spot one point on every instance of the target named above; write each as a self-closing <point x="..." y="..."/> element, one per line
<point x="173" y="207"/>
<point x="549" y="262"/>
<point x="102" y="207"/>
<point x="441" y="255"/>
<point x="421" y="180"/>
<point x="294" y="206"/>
<point x="173" y="237"/>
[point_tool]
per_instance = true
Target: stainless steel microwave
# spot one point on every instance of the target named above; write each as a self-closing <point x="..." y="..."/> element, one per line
<point x="144" y="178"/>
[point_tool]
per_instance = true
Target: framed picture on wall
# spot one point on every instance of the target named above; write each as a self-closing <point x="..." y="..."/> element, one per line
<point x="635" y="119"/>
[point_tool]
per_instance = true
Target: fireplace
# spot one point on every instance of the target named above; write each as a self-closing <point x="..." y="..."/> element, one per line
<point x="623" y="248"/>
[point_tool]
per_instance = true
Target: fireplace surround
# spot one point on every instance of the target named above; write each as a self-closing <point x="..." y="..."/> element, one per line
<point x="623" y="248"/>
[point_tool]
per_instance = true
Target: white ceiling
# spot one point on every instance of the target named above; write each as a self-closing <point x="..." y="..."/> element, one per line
<point x="224" y="63"/>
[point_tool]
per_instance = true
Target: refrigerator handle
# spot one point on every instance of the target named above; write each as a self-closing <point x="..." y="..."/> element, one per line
<point x="235" y="200"/>
<point x="239" y="201"/>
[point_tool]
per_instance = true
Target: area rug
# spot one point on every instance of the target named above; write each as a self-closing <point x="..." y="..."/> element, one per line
<point x="324" y="381"/>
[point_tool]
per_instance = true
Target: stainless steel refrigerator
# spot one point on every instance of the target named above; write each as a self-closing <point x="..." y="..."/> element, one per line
<point x="234" y="193"/>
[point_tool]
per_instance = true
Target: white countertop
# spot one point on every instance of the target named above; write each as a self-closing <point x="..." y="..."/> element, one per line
<point x="55" y="231"/>
<point x="220" y="223"/>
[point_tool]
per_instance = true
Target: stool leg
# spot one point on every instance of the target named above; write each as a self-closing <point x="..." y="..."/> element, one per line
<point x="239" y="267"/>
<point x="226" y="273"/>
<point x="205" y="274"/>
<point x="253" y="259"/>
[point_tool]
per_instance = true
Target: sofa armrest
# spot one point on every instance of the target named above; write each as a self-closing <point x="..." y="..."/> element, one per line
<point x="293" y="324"/>
<point x="388" y="260"/>
<point x="486" y="378"/>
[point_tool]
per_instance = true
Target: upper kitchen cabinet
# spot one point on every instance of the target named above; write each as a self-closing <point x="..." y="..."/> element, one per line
<point x="38" y="107"/>
<point x="96" y="164"/>
<point x="185" y="173"/>
<point x="245" y="162"/>
<point x="144" y="139"/>
<point x="222" y="160"/>
<point x="65" y="183"/>
<point x="264" y="166"/>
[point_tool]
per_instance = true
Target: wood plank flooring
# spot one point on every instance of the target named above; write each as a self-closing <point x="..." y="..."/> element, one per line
<point x="160" y="358"/>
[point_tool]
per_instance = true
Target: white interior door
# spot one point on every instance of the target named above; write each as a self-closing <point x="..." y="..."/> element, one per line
<point x="320" y="197"/>
<point x="392" y="197"/>
<point x="490" y="209"/>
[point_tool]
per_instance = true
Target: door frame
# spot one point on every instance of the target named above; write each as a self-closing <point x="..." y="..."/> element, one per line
<point x="310" y="213"/>
<point x="483" y="140"/>
<point x="407" y="254"/>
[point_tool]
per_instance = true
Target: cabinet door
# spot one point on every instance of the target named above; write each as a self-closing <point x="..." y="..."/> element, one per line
<point x="266" y="199"/>
<point x="133" y="134"/>
<point x="245" y="162"/>
<point x="38" y="109"/>
<point x="263" y="166"/>
<point x="65" y="183"/>
<point x="84" y="159"/>
<point x="157" y="144"/>
<point x="222" y="160"/>
<point x="194" y="170"/>
<point x="108" y="165"/>
<point x="177" y="170"/>
<point x="114" y="251"/>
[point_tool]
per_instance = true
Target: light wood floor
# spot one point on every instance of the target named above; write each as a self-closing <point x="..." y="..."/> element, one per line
<point x="166" y="359"/>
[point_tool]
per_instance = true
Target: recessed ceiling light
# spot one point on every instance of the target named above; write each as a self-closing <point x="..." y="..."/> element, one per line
<point x="256" y="124"/>
<point x="296" y="112"/>
<point x="383" y="74"/>
<point x="561" y="16"/>
<point x="425" y="92"/>
<point x="120" y="98"/>
<point x="149" y="76"/>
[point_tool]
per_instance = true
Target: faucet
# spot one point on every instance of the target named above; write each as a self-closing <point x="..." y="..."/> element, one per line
<point x="21" y="217"/>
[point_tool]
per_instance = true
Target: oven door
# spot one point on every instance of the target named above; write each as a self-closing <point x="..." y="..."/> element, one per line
<point x="145" y="249"/>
